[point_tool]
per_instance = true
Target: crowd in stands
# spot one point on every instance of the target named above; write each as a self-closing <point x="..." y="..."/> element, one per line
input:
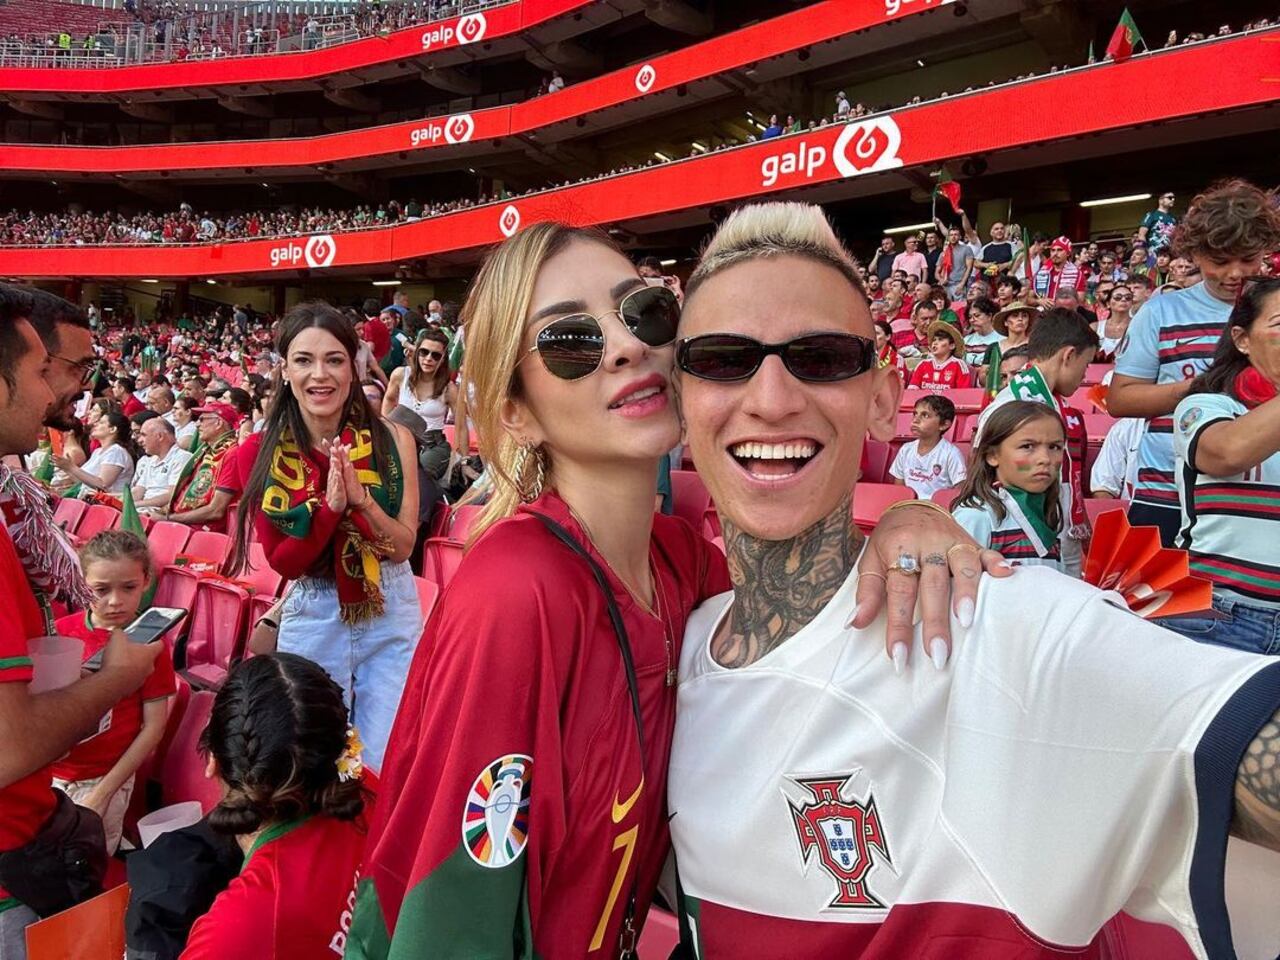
<point x="185" y="225"/>
<point x="172" y="30"/>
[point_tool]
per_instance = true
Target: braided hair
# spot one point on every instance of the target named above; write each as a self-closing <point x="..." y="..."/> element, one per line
<point x="277" y="729"/>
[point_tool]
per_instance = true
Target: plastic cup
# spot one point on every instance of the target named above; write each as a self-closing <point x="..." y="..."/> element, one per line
<point x="55" y="662"/>
<point x="173" y="817"/>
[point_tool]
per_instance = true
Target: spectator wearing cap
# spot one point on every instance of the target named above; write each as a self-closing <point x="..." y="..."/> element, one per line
<point x="1059" y="271"/>
<point x="1227" y="232"/>
<point x="199" y="499"/>
<point x="911" y="261"/>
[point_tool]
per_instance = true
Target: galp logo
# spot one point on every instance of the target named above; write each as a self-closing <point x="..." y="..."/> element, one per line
<point x="891" y="7"/>
<point x="509" y="220"/>
<point x="460" y="128"/>
<point x="645" y="77"/>
<point x="471" y="27"/>
<point x="868" y="146"/>
<point x="320" y="250"/>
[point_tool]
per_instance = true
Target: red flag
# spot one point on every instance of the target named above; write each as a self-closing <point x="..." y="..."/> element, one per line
<point x="1125" y="38"/>
<point x="951" y="190"/>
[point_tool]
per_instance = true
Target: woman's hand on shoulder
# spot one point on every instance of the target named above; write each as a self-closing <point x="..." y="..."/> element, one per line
<point x="950" y="562"/>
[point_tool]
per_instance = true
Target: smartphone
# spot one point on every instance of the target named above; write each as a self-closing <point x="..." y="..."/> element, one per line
<point x="148" y="627"/>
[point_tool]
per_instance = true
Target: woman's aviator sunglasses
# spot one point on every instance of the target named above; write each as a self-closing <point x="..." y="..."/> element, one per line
<point x="814" y="358"/>
<point x="573" y="346"/>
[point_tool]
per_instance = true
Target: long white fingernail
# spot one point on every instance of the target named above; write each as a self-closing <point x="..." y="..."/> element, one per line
<point x="938" y="652"/>
<point x="1004" y="563"/>
<point x="857" y="610"/>
<point x="899" y="657"/>
<point x="965" y="613"/>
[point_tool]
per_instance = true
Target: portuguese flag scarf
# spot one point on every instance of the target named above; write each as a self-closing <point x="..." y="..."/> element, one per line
<point x="1029" y="384"/>
<point x="294" y="491"/>
<point x="195" y="484"/>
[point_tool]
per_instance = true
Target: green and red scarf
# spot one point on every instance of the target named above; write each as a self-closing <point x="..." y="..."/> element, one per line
<point x="295" y="488"/>
<point x="196" y="482"/>
<point x="1029" y="384"/>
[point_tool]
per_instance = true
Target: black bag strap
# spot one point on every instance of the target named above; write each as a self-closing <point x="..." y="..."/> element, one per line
<point x="628" y="936"/>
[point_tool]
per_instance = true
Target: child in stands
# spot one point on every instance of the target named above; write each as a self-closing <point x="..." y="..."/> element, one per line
<point x="1010" y="501"/>
<point x="930" y="462"/>
<point x="289" y="765"/>
<point x="98" y="772"/>
<point x="942" y="370"/>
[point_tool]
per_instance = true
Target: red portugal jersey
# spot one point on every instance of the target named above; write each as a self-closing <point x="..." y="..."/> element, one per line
<point x="26" y="804"/>
<point x="288" y="902"/>
<point x="95" y="755"/>
<point x="941" y="377"/>
<point x="515" y="812"/>
<point x="1073" y="761"/>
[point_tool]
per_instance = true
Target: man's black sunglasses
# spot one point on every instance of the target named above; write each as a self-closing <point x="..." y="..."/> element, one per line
<point x="814" y="358"/>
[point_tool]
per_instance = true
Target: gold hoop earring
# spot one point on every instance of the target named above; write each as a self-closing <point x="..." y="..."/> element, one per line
<point x="530" y="488"/>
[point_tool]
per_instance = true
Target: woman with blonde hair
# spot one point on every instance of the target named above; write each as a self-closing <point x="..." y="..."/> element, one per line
<point x="523" y="804"/>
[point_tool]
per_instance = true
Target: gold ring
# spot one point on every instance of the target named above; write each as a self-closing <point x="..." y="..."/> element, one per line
<point x="872" y="573"/>
<point x="963" y="546"/>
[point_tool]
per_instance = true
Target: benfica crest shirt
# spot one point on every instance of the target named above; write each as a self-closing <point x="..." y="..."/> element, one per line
<point x="515" y="810"/>
<point x="1071" y="762"/>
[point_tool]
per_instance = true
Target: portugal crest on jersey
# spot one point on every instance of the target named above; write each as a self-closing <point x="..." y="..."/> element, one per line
<point x="844" y="833"/>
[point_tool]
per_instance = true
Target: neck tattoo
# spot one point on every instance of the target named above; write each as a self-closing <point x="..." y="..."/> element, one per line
<point x="781" y="585"/>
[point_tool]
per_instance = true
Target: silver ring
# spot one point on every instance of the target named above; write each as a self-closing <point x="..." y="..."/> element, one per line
<point x="906" y="564"/>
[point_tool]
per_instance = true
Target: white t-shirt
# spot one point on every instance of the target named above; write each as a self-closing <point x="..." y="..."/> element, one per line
<point x="1116" y="469"/>
<point x="1071" y="762"/>
<point x="114" y="456"/>
<point x="157" y="474"/>
<point x="940" y="468"/>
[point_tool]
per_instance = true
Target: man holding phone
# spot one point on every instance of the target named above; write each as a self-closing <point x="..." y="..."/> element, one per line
<point x="38" y="729"/>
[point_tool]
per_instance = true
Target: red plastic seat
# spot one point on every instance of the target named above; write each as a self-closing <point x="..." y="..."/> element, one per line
<point x="1095" y="507"/>
<point x="1097" y="372"/>
<point x="428" y="594"/>
<point x="689" y="496"/>
<point x="176" y="585"/>
<point x="182" y="772"/>
<point x="711" y="522"/>
<point x="945" y="498"/>
<point x="458" y="524"/>
<point x="967" y="399"/>
<point x="69" y="513"/>
<point x="1097" y="426"/>
<point x="167" y="539"/>
<point x="259" y="575"/>
<point x="216" y="637"/>
<point x="209" y="545"/>
<point x="660" y="936"/>
<point x="441" y="557"/>
<point x="148" y="769"/>
<point x="877" y="457"/>
<point x="97" y="517"/>
<point x="870" y="500"/>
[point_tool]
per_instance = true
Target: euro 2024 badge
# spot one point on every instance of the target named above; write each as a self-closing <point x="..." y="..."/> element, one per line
<point x="495" y="821"/>
<point x="844" y="833"/>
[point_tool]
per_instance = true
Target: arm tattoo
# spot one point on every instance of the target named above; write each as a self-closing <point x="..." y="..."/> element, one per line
<point x="1258" y="778"/>
<point x="780" y="585"/>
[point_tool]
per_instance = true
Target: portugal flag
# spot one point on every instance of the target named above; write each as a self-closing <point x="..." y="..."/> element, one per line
<point x="1125" y="39"/>
<point x="948" y="188"/>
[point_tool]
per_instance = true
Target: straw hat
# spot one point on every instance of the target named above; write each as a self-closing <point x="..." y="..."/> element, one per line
<point x="998" y="321"/>
<point x="940" y="328"/>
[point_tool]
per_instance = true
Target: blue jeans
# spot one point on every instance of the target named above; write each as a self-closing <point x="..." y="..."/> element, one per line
<point x="369" y="660"/>
<point x="1238" y="625"/>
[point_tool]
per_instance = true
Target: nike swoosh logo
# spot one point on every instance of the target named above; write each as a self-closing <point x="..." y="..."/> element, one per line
<point x="620" y="810"/>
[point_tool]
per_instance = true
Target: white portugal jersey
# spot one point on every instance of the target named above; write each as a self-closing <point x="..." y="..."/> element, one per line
<point x="1072" y="762"/>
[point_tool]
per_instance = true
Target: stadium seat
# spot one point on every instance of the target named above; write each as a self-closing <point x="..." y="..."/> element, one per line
<point x="428" y="594"/>
<point x="660" y="936"/>
<point x="1097" y="425"/>
<point x="689" y="496"/>
<point x="259" y="575"/>
<point x="967" y="399"/>
<point x="711" y="522"/>
<point x="182" y="772"/>
<point x="69" y="513"/>
<point x="1083" y="402"/>
<point x="458" y="523"/>
<point x="967" y="430"/>
<point x="97" y="517"/>
<point x="1097" y="372"/>
<point x="166" y="540"/>
<point x="216" y="636"/>
<point x="176" y="584"/>
<point x="1095" y="507"/>
<point x="209" y="545"/>
<point x="945" y="498"/>
<point x="441" y="557"/>
<point x="870" y="500"/>
<point x="877" y="457"/>
<point x="148" y="771"/>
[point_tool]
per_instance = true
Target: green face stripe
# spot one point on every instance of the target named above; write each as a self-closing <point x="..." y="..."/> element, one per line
<point x="13" y="663"/>
<point x="460" y="907"/>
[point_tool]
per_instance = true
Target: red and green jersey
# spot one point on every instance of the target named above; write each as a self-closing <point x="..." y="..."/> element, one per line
<point x="515" y="811"/>
<point x="95" y="755"/>
<point x="27" y="803"/>
<point x="289" y="897"/>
